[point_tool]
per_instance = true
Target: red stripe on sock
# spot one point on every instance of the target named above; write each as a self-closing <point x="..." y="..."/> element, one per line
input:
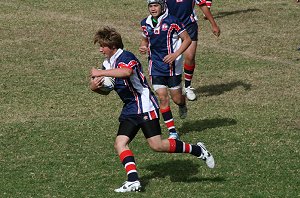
<point x="165" y="109"/>
<point x="170" y="124"/>
<point x="130" y="167"/>
<point x="189" y="67"/>
<point x="125" y="154"/>
<point x="187" y="148"/>
<point x="188" y="76"/>
<point x="172" y="145"/>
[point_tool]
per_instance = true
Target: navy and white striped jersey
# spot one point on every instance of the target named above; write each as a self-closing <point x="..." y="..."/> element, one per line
<point x="163" y="39"/>
<point x="134" y="91"/>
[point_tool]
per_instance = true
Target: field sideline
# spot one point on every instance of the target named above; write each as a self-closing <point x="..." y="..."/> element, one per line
<point x="56" y="136"/>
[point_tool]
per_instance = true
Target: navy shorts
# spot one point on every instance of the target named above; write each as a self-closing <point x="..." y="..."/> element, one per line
<point x="130" y="125"/>
<point x="192" y="30"/>
<point x="172" y="82"/>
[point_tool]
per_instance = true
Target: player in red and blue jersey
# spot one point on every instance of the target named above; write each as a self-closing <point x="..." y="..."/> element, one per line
<point x="140" y="109"/>
<point x="184" y="10"/>
<point x="165" y="39"/>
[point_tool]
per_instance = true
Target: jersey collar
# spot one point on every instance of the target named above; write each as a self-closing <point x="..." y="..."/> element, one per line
<point x="113" y="59"/>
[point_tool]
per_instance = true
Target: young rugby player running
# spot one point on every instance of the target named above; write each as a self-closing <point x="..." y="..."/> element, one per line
<point x="140" y="109"/>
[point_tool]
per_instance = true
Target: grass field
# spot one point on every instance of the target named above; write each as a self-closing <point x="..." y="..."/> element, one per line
<point x="56" y="136"/>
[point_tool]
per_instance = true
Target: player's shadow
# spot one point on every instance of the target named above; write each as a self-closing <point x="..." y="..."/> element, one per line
<point x="181" y="171"/>
<point x="224" y="14"/>
<point x="218" y="89"/>
<point x="201" y="125"/>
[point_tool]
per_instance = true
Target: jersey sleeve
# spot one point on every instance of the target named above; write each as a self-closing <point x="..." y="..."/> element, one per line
<point x="178" y="26"/>
<point x="209" y="3"/>
<point x="144" y="28"/>
<point x="131" y="65"/>
<point x="201" y="2"/>
<point x="129" y="62"/>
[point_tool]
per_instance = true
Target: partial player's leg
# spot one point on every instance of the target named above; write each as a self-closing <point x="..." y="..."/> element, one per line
<point x="189" y="68"/>
<point x="174" y="84"/>
<point x="179" y="99"/>
<point x="151" y="130"/>
<point x="126" y="133"/>
<point x="160" y="87"/>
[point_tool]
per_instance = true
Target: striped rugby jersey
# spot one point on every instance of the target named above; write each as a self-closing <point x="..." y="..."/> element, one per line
<point x="134" y="91"/>
<point x="163" y="39"/>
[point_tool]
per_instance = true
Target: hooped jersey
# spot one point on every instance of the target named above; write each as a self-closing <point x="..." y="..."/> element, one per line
<point x="163" y="39"/>
<point x="184" y="9"/>
<point x="134" y="91"/>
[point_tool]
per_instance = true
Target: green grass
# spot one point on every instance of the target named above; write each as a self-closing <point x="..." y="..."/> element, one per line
<point x="56" y="136"/>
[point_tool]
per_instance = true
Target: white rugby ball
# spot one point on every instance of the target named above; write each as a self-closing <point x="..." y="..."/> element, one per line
<point x="108" y="84"/>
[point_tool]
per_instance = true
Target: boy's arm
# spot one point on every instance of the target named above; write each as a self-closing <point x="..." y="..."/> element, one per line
<point x="144" y="45"/>
<point x="209" y="16"/>
<point x="116" y="73"/>
<point x="186" y="41"/>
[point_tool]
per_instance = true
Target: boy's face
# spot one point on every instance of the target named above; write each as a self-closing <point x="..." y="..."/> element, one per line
<point x="106" y="51"/>
<point x="155" y="9"/>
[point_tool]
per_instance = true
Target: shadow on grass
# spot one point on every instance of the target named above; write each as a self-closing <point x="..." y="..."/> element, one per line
<point x="219" y="89"/>
<point x="224" y="14"/>
<point x="181" y="171"/>
<point x="201" y="125"/>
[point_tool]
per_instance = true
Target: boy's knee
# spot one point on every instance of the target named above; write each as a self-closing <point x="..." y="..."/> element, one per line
<point x="118" y="145"/>
<point x="163" y="98"/>
<point x="156" y="147"/>
<point x="178" y="99"/>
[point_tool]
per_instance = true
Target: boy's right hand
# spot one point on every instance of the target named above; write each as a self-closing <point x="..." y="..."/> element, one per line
<point x="96" y="82"/>
<point x="216" y="31"/>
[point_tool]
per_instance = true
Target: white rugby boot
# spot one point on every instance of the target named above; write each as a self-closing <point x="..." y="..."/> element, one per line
<point x="130" y="187"/>
<point x="189" y="92"/>
<point x="206" y="156"/>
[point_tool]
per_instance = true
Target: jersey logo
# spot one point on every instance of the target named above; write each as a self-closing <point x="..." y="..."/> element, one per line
<point x="179" y="1"/>
<point x="164" y="27"/>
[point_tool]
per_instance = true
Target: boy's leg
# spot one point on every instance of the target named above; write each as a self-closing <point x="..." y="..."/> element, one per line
<point x="179" y="99"/>
<point x="177" y="146"/>
<point x="164" y="104"/>
<point x="126" y="133"/>
<point x="152" y="132"/>
<point x="189" y="68"/>
<point x="174" y="84"/>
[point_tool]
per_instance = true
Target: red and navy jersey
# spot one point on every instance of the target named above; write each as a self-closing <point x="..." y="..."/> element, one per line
<point x="163" y="39"/>
<point x="134" y="91"/>
<point x="184" y="9"/>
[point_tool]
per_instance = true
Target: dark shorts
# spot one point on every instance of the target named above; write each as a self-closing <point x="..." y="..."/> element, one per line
<point x="130" y="125"/>
<point x="192" y="30"/>
<point x="172" y="82"/>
